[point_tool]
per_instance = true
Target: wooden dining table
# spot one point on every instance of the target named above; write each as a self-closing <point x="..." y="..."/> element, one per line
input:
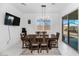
<point x="41" y="32"/>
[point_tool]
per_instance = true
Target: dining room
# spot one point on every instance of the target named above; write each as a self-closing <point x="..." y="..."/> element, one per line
<point x="39" y="29"/>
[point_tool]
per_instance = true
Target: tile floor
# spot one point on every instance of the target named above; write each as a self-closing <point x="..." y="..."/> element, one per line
<point x="16" y="50"/>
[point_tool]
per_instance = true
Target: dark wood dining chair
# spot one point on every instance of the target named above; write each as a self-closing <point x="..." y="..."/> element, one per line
<point x="44" y="43"/>
<point x="24" y="39"/>
<point x="27" y="42"/>
<point x="57" y="35"/>
<point x="54" y="41"/>
<point x="34" y="43"/>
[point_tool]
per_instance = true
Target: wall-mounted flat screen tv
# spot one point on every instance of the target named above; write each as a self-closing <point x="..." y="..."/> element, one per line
<point x="11" y="20"/>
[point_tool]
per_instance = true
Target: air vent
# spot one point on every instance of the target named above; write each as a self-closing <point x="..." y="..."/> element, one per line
<point x="43" y="5"/>
<point x="52" y="3"/>
<point x="24" y="4"/>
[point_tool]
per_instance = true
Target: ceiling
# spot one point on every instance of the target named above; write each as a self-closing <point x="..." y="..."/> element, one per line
<point x="36" y="7"/>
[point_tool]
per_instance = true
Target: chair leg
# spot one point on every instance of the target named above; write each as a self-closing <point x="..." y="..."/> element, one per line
<point x="50" y="46"/>
<point x="40" y="50"/>
<point x="22" y="44"/>
<point x="57" y="45"/>
<point x="31" y="51"/>
<point x="25" y="44"/>
<point x="47" y="49"/>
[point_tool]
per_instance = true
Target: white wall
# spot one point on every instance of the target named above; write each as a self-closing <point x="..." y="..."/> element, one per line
<point x="64" y="48"/>
<point x="14" y="30"/>
<point x="55" y="23"/>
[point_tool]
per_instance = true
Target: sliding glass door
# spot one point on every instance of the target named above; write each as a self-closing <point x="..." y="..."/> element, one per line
<point x="73" y="29"/>
<point x="65" y="29"/>
<point x="73" y="34"/>
<point x="70" y="25"/>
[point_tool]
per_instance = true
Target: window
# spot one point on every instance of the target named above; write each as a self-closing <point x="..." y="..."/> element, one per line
<point x="43" y="24"/>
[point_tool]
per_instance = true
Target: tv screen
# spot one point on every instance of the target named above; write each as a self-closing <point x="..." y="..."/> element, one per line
<point x="11" y="20"/>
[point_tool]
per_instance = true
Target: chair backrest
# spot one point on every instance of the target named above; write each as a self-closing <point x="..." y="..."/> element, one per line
<point x="46" y="36"/>
<point x="22" y="35"/>
<point x="44" y="39"/>
<point x="32" y="37"/>
<point x="57" y="35"/>
<point x="24" y="31"/>
<point x="53" y="35"/>
<point x="37" y="33"/>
